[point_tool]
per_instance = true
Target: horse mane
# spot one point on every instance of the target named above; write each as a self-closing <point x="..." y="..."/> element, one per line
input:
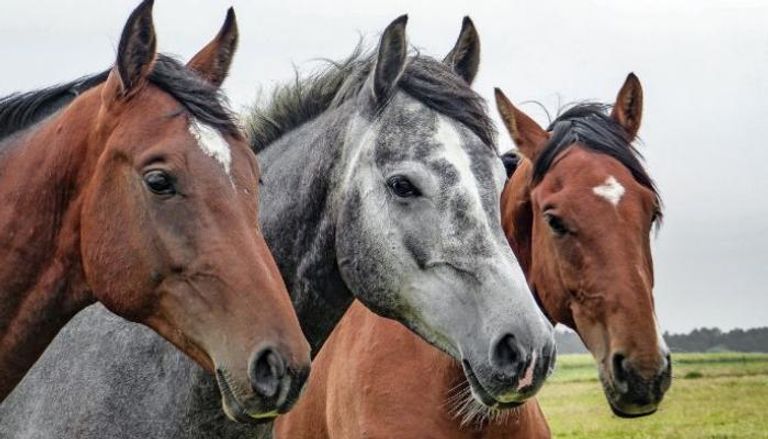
<point x="201" y="99"/>
<point x="20" y="110"/>
<point x="427" y="80"/>
<point x="589" y="125"/>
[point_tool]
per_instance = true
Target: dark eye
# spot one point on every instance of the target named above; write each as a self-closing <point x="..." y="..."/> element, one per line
<point x="159" y="182"/>
<point x="556" y="224"/>
<point x="402" y="187"/>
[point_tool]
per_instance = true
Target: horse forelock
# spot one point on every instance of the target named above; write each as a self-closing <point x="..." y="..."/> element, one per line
<point x="589" y="125"/>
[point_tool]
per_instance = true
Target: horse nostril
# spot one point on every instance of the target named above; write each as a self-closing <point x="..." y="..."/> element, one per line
<point x="507" y="355"/>
<point x="620" y="373"/>
<point x="266" y="372"/>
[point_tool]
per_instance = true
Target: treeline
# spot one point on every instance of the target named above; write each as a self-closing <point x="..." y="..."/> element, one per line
<point x="698" y="340"/>
<point x="715" y="340"/>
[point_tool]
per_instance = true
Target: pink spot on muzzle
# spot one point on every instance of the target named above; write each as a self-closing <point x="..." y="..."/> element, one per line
<point x="527" y="379"/>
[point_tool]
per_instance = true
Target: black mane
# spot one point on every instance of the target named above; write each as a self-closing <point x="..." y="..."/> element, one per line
<point x="589" y="125"/>
<point x="427" y="80"/>
<point x="202" y="100"/>
<point x="21" y="110"/>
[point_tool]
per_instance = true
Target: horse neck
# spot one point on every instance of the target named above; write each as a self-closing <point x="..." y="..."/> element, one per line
<point x="41" y="281"/>
<point x="302" y="232"/>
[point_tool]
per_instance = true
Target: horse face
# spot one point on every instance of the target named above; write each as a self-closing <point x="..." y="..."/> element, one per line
<point x="420" y="216"/>
<point x="591" y="229"/>
<point x="583" y="232"/>
<point x="170" y="237"/>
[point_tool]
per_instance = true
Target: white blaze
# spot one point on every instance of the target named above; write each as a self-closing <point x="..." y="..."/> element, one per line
<point x="448" y="136"/>
<point x="611" y="190"/>
<point x="212" y="143"/>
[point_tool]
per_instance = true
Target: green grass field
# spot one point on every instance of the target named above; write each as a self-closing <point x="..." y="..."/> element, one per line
<point x="716" y="396"/>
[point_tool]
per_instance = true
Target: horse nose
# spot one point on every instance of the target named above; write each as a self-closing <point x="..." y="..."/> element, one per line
<point x="507" y="356"/>
<point x="638" y="383"/>
<point x="640" y="388"/>
<point x="266" y="371"/>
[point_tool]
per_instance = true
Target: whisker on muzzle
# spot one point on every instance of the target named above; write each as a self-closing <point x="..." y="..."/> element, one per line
<point x="472" y="414"/>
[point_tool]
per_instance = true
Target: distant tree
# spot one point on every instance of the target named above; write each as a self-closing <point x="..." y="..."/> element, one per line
<point x="711" y="339"/>
<point x="698" y="340"/>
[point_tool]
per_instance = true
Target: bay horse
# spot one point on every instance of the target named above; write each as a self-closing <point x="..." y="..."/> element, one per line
<point x="578" y="211"/>
<point x="141" y="193"/>
<point x="377" y="171"/>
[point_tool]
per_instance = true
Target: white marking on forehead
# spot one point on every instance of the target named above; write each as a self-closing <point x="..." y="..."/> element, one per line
<point x="212" y="143"/>
<point x="364" y="144"/>
<point x="414" y="105"/>
<point x="611" y="190"/>
<point x="448" y="136"/>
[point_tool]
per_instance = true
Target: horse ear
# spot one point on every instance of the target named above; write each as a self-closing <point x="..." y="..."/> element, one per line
<point x="390" y="61"/>
<point x="136" y="51"/>
<point x="212" y="62"/>
<point x="628" y="110"/>
<point x="529" y="137"/>
<point x="464" y="58"/>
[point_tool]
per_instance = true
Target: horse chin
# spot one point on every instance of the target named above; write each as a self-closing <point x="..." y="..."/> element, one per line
<point x="633" y="413"/>
<point x="234" y="409"/>
<point x="621" y="408"/>
<point x="481" y="395"/>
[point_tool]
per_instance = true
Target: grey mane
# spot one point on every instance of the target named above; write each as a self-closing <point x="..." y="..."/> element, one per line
<point x="425" y="79"/>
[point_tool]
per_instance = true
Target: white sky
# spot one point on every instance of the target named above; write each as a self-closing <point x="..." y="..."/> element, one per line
<point x="703" y="65"/>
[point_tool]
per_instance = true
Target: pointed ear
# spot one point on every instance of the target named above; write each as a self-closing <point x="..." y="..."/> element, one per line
<point x="390" y="61"/>
<point x="464" y="58"/>
<point x="136" y="51"/>
<point x="212" y="62"/>
<point x="528" y="136"/>
<point x="628" y="110"/>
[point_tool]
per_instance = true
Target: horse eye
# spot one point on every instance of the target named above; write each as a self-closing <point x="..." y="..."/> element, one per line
<point x="556" y="224"/>
<point x="159" y="182"/>
<point x="402" y="187"/>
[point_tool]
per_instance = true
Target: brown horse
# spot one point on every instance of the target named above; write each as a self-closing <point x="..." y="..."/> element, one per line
<point x="577" y="212"/>
<point x="142" y="194"/>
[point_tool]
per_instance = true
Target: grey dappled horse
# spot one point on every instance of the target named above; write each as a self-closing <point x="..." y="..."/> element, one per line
<point x="381" y="182"/>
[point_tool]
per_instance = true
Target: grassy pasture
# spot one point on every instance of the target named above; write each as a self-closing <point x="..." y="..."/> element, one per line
<point x="715" y="396"/>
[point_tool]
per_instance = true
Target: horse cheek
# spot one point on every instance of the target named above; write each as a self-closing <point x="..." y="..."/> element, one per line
<point x="116" y="248"/>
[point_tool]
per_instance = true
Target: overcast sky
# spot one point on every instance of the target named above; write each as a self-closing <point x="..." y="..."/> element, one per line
<point x="703" y="65"/>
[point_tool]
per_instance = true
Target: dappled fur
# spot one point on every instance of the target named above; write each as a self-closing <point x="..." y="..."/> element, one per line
<point x="427" y="80"/>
